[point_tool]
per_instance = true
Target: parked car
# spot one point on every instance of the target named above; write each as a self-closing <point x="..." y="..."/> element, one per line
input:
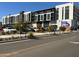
<point x="28" y="29"/>
<point x="35" y="29"/>
<point x="9" y="29"/>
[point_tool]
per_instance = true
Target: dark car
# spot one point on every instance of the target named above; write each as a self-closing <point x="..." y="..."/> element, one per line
<point x="28" y="29"/>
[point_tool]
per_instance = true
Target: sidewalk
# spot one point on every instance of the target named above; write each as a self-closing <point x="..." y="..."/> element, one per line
<point x="18" y="35"/>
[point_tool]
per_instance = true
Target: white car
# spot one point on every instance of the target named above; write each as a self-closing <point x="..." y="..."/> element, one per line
<point x="35" y="29"/>
<point x="8" y="29"/>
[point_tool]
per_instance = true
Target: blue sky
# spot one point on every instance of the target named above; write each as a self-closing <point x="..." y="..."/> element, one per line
<point x="15" y="7"/>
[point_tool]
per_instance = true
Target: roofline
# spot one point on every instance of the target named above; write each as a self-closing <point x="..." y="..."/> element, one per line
<point x="44" y="9"/>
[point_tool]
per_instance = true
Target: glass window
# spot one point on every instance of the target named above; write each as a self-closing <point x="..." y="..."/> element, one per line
<point x="36" y="18"/>
<point x="41" y="17"/>
<point x="67" y="12"/>
<point x="57" y="13"/>
<point x="48" y="16"/>
<point x="53" y="16"/>
<point x="45" y="17"/>
<point x="62" y="12"/>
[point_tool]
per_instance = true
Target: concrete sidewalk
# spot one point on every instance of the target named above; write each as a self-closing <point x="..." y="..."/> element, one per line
<point x="18" y="35"/>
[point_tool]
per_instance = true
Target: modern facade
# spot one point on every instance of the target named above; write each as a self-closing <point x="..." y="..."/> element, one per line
<point x="8" y="20"/>
<point x="61" y="15"/>
<point x="67" y="15"/>
<point x="20" y="17"/>
<point x="44" y="18"/>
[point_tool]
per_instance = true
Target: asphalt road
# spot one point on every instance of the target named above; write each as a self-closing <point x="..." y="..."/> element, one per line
<point x="46" y="46"/>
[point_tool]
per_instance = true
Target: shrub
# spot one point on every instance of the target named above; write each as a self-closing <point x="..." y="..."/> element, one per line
<point x="20" y="26"/>
<point x="31" y="36"/>
<point x="71" y="28"/>
<point x="39" y="26"/>
<point x="50" y="29"/>
<point x="62" y="28"/>
<point x="7" y="32"/>
<point x="3" y="33"/>
<point x="41" y="30"/>
<point x="54" y="27"/>
<point x="1" y="39"/>
<point x="13" y="32"/>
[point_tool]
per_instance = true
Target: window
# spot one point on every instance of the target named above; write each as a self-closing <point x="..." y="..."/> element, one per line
<point x="29" y="17"/>
<point x="67" y="12"/>
<point x="41" y="17"/>
<point x="57" y="13"/>
<point x="44" y="17"/>
<point x="53" y="16"/>
<point x="36" y="18"/>
<point x="6" y="20"/>
<point x="48" y="16"/>
<point x="46" y="24"/>
<point x="62" y="12"/>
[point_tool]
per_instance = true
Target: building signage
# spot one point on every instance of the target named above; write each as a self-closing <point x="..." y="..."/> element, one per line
<point x="65" y="23"/>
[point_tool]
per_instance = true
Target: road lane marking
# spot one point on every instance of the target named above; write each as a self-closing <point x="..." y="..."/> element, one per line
<point x="19" y="51"/>
<point x="14" y="42"/>
<point x="74" y="42"/>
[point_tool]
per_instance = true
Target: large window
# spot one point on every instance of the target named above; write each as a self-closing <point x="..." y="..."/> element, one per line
<point x="6" y="20"/>
<point x="48" y="16"/>
<point x="67" y="12"/>
<point x="44" y="17"/>
<point x="41" y="17"/>
<point x="62" y="13"/>
<point x="36" y="17"/>
<point x="57" y="13"/>
<point x="53" y="16"/>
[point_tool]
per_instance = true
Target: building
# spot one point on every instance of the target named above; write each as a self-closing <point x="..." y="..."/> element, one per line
<point x="27" y="18"/>
<point x="61" y="15"/>
<point x="0" y="25"/>
<point x="20" y="17"/>
<point x="44" y="18"/>
<point x="67" y="15"/>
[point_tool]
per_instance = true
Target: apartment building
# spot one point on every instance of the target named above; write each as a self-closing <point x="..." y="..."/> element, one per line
<point x="20" y="17"/>
<point x="44" y="17"/>
<point x="8" y="20"/>
<point x="61" y="15"/>
<point x="67" y="15"/>
<point x="28" y="18"/>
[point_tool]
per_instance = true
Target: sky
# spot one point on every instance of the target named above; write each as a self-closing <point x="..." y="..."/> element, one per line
<point x="7" y="8"/>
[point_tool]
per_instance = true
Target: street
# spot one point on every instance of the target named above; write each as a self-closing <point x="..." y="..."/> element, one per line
<point x="63" y="45"/>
